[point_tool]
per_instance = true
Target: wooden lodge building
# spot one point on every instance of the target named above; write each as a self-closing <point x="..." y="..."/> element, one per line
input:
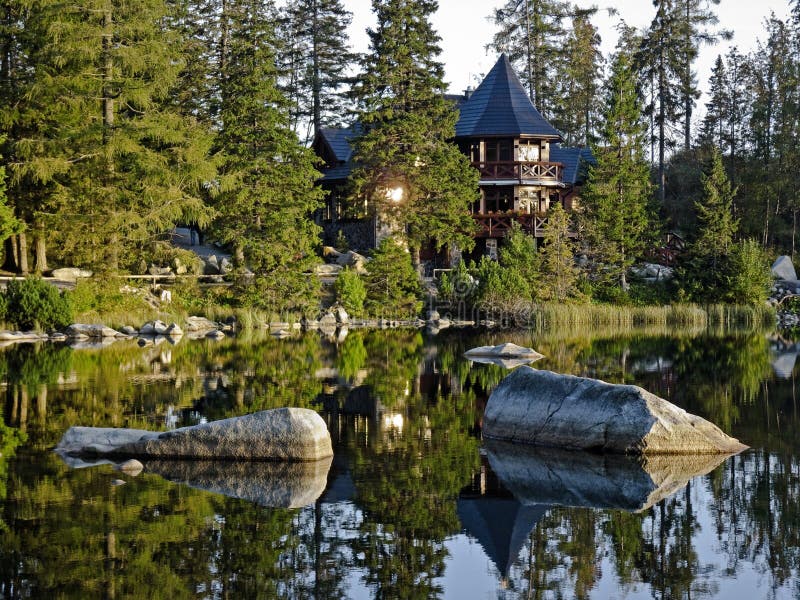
<point x="523" y="168"/>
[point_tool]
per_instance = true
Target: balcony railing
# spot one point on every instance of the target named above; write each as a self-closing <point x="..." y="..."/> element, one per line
<point x="521" y="171"/>
<point x="497" y="225"/>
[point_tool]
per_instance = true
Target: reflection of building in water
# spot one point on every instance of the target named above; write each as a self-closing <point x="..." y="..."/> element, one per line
<point x="498" y="521"/>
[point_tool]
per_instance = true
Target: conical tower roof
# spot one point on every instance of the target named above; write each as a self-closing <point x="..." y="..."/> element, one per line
<point x="501" y="107"/>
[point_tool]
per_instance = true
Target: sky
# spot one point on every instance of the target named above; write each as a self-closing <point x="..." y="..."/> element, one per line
<point x="465" y="30"/>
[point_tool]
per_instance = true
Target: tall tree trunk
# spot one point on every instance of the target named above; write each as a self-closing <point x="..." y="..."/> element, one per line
<point x="40" y="251"/>
<point x="316" y="83"/>
<point x="22" y="240"/>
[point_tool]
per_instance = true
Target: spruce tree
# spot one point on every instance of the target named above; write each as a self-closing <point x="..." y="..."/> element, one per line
<point x="577" y="103"/>
<point x="559" y="273"/>
<point x="660" y="63"/>
<point x="266" y="187"/>
<point x="704" y="270"/>
<point x="98" y="154"/>
<point x="319" y="58"/>
<point x="9" y="224"/>
<point x="409" y="172"/>
<point x="695" y="26"/>
<point x="617" y="192"/>
<point x="531" y="33"/>
<point x="393" y="288"/>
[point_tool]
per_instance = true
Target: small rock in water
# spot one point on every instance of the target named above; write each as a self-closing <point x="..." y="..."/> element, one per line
<point x="130" y="467"/>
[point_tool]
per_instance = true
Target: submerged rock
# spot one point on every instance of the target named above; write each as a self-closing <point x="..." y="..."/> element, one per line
<point x="294" y="434"/>
<point x="562" y="411"/>
<point x="82" y="330"/>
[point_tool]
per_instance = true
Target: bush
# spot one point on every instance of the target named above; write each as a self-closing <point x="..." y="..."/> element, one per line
<point x="351" y="292"/>
<point x="33" y="303"/>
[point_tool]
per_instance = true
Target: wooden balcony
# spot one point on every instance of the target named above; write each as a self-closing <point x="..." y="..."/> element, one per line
<point x="497" y="225"/>
<point x="521" y="171"/>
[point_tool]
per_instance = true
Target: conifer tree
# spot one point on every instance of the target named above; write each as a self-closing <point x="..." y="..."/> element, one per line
<point x="9" y="224"/>
<point x="712" y="130"/>
<point x="531" y="33"/>
<point x="659" y="61"/>
<point x="320" y="57"/>
<point x="266" y="187"/>
<point x="704" y="271"/>
<point x="559" y="273"/>
<point x="409" y="172"/>
<point x="98" y="153"/>
<point x="577" y="102"/>
<point x="393" y="288"/>
<point x="695" y="26"/>
<point x="617" y="193"/>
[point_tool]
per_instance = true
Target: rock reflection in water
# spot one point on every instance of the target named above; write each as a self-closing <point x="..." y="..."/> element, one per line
<point x="270" y="484"/>
<point x="581" y="479"/>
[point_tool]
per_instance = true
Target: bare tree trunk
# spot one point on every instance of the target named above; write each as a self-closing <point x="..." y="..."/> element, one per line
<point x="22" y="241"/>
<point x="40" y="251"/>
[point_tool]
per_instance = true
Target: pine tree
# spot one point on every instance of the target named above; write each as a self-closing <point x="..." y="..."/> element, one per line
<point x="409" y="173"/>
<point x="319" y="60"/>
<point x="266" y="188"/>
<point x="696" y="20"/>
<point x="577" y="104"/>
<point x="531" y="34"/>
<point x="559" y="273"/>
<point x="98" y="155"/>
<point x="617" y="193"/>
<point x="660" y="64"/>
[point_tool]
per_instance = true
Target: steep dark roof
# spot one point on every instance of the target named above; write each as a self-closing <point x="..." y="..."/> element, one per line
<point x="500" y="106"/>
<point x="338" y="139"/>
<point x="575" y="160"/>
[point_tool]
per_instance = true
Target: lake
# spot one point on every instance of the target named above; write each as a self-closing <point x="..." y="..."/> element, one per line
<point x="413" y="504"/>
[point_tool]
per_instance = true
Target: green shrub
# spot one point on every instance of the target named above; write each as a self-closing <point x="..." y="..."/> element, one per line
<point x="351" y="292"/>
<point x="393" y="288"/>
<point x="33" y="303"/>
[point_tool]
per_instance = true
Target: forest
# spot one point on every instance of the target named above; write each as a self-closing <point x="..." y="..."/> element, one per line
<point x="119" y="121"/>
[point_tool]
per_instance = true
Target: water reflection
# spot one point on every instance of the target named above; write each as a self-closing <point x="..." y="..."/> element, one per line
<point x="410" y="505"/>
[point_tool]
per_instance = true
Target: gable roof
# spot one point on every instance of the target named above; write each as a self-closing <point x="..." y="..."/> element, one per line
<point x="338" y="140"/>
<point x="500" y="106"/>
<point x="575" y="161"/>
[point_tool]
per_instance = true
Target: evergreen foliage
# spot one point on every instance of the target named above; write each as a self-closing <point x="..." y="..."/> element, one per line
<point x="266" y="193"/>
<point x="705" y="272"/>
<point x="393" y="287"/>
<point x="32" y="303"/>
<point x="617" y="194"/>
<point x="577" y="101"/>
<point x="319" y="58"/>
<point x="351" y="292"/>
<point x="559" y="274"/>
<point x="9" y="224"/>
<point x="415" y="180"/>
<point x="97" y="153"/>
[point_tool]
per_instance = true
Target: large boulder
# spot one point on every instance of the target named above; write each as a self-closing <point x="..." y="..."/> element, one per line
<point x="82" y="330"/>
<point x="295" y="434"/>
<point x="547" y="409"/>
<point x="783" y="269"/>
<point x="69" y="273"/>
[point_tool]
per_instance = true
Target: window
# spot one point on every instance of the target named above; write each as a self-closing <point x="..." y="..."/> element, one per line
<point x="529" y="152"/>
<point x="499" y="199"/>
<point x="499" y="151"/>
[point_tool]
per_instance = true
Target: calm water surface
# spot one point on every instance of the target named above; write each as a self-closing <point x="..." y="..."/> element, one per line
<point x="413" y="505"/>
